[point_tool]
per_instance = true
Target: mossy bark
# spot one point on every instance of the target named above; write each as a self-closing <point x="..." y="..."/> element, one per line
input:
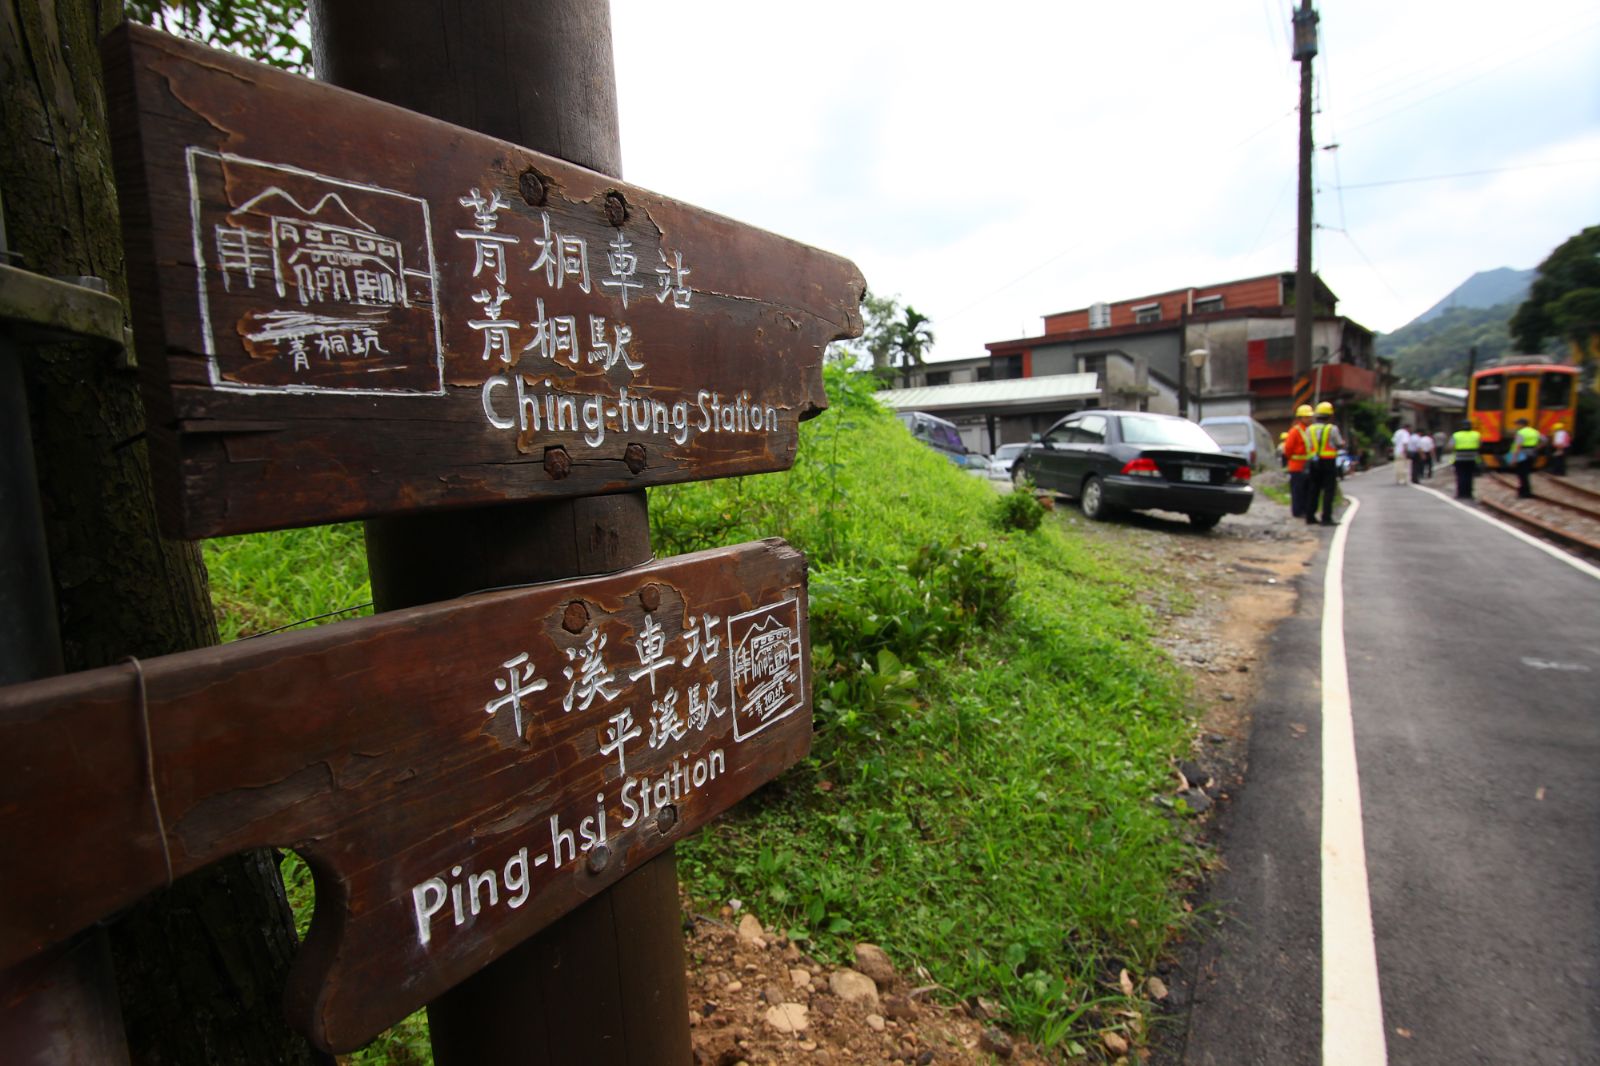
<point x="200" y="966"/>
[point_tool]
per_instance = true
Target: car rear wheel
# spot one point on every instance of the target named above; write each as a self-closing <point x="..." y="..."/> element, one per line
<point x="1095" y="508"/>
<point x="1204" y="521"/>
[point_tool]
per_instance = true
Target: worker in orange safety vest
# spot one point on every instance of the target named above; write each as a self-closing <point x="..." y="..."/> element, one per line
<point x="1297" y="455"/>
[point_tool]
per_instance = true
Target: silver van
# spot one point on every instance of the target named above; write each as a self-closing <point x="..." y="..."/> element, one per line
<point x="1243" y="436"/>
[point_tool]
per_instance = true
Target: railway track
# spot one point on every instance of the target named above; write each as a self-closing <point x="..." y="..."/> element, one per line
<point x="1549" y="490"/>
<point x="1579" y="534"/>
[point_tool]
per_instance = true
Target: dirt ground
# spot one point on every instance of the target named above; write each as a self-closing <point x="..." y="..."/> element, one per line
<point x="755" y="998"/>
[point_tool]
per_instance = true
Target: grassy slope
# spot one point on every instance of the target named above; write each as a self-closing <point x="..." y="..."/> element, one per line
<point x="979" y="795"/>
<point x="992" y="723"/>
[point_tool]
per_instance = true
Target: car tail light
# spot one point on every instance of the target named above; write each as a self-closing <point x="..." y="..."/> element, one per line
<point x="1241" y="473"/>
<point x="1142" y="467"/>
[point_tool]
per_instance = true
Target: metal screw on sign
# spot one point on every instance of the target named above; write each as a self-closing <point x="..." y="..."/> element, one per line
<point x="616" y="208"/>
<point x="635" y="458"/>
<point x="650" y="597"/>
<point x="599" y="857"/>
<point x="666" y="819"/>
<point x="532" y="187"/>
<point x="557" y="463"/>
<point x="576" y="617"/>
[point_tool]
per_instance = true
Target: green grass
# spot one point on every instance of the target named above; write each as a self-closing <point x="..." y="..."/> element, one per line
<point x="1280" y="493"/>
<point x="992" y="725"/>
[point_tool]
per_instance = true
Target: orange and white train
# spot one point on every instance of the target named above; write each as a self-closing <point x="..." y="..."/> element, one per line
<point x="1543" y="393"/>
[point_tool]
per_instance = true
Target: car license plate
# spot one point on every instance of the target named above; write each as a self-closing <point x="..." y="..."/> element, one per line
<point x="1201" y="474"/>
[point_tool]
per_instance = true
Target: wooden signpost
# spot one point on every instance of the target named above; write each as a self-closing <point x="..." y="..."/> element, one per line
<point x="346" y="309"/>
<point x="457" y="775"/>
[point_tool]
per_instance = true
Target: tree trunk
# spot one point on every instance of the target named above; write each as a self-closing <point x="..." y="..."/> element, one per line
<point x="201" y="966"/>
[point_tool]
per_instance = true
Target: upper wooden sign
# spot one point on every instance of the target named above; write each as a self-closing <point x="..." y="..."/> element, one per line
<point x="457" y="775"/>
<point x="346" y="309"/>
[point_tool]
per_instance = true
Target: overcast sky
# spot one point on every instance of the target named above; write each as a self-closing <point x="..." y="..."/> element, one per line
<point x="990" y="163"/>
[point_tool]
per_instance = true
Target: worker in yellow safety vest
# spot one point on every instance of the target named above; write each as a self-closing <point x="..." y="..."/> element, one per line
<point x="1525" y="444"/>
<point x="1468" y="442"/>
<point x="1297" y="456"/>
<point x="1323" y="443"/>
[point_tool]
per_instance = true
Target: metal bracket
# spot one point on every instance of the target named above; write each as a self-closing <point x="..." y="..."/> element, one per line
<point x="34" y="307"/>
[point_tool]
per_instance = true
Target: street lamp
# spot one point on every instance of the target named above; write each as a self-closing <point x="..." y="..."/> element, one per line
<point x="1197" y="359"/>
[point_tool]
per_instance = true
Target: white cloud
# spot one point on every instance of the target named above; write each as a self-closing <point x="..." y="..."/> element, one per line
<point x="997" y="162"/>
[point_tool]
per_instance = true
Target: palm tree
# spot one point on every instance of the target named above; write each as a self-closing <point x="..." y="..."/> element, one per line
<point x="913" y="334"/>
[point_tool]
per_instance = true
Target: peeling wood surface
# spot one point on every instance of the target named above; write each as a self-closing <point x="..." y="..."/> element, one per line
<point x="366" y="747"/>
<point x="345" y="309"/>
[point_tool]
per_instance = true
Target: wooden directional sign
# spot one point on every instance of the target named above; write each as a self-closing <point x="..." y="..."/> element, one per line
<point x="457" y="775"/>
<point x="346" y="309"/>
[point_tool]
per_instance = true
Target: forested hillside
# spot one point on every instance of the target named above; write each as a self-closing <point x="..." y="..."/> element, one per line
<point x="1435" y="351"/>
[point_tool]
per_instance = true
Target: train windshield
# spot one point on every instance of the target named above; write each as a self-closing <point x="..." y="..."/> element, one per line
<point x="1555" y="390"/>
<point x="1490" y="392"/>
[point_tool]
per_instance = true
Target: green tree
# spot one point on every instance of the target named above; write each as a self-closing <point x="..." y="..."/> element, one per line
<point x="913" y="335"/>
<point x="1564" y="300"/>
<point x="200" y="966"/>
<point x="881" y="336"/>
<point x="263" y="30"/>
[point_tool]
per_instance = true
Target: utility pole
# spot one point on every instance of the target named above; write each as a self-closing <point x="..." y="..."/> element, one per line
<point x="1305" y="50"/>
<point x="538" y="74"/>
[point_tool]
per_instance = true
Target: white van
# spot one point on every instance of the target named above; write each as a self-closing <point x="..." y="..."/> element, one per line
<point x="1243" y="436"/>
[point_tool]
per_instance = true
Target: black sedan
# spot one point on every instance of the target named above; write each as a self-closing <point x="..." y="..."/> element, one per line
<point x="1133" y="460"/>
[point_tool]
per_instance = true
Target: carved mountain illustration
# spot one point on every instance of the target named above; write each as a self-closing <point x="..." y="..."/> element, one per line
<point x="340" y="215"/>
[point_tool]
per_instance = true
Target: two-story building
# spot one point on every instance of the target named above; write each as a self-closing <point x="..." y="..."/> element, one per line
<point x="1134" y="353"/>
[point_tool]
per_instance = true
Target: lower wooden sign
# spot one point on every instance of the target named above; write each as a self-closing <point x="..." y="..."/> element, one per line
<point x="457" y="776"/>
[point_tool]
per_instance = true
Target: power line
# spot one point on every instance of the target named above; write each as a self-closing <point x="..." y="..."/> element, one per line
<point x="1469" y="173"/>
<point x="1566" y="36"/>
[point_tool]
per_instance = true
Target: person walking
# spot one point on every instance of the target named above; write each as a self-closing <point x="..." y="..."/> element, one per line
<point x="1402" y="458"/>
<point x="1525" y="444"/>
<point x="1425" y="445"/>
<point x="1414" y="456"/>
<point x="1324" y="442"/>
<point x="1297" y="456"/>
<point x="1467" y="441"/>
<point x="1560" y="442"/>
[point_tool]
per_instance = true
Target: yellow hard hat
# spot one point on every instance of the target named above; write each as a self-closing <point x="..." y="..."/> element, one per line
<point x="1303" y="411"/>
<point x="1324" y="408"/>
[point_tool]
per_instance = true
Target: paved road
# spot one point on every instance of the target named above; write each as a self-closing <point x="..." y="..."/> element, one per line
<point x="1474" y="668"/>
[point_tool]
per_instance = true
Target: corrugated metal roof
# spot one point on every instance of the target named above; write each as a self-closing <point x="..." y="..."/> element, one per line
<point x="1012" y="392"/>
<point x="1443" y="398"/>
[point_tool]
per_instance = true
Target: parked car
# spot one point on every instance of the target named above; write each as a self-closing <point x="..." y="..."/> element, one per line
<point x="1243" y="436"/>
<point x="976" y="464"/>
<point x="937" y="433"/>
<point x="1004" y="457"/>
<point x="1136" y="461"/>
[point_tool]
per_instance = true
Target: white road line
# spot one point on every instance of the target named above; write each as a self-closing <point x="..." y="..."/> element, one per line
<point x="1352" y="1008"/>
<point x="1549" y="549"/>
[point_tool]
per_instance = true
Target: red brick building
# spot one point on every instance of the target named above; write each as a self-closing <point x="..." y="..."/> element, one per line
<point x="1247" y="326"/>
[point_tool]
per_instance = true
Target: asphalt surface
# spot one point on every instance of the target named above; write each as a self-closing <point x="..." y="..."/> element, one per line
<point x="1474" y="664"/>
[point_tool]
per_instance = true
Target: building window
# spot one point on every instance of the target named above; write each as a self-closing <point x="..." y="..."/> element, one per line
<point x="938" y="377"/>
<point x="1207" y="305"/>
<point x="1146" y="313"/>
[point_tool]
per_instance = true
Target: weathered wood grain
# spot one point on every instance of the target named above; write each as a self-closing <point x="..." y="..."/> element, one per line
<point x="366" y="747"/>
<point x="345" y="309"/>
